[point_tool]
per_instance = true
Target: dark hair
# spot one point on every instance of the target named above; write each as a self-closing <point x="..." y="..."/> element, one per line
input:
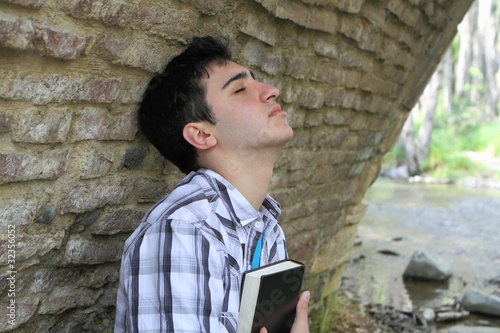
<point x="176" y="97"/>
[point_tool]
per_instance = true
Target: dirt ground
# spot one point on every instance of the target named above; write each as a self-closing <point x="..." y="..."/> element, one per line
<point x="352" y="317"/>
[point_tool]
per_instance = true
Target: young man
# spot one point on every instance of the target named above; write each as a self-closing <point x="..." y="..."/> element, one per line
<point x="182" y="268"/>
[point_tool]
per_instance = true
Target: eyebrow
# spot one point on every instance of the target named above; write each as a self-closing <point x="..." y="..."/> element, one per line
<point x="239" y="76"/>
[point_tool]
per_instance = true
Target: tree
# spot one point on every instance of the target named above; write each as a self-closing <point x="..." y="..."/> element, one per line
<point x="415" y="155"/>
<point x="487" y="32"/>
<point x="470" y="78"/>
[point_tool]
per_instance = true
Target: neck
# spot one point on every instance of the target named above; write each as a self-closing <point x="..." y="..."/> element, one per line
<point x="250" y="175"/>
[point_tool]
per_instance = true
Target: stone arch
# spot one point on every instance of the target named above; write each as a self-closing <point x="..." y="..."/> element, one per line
<point x="76" y="175"/>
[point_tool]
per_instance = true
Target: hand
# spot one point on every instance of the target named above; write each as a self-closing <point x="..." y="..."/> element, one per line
<point x="301" y="324"/>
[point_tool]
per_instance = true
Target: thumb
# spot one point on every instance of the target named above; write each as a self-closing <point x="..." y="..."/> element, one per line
<point x="301" y="324"/>
<point x="263" y="330"/>
<point x="303" y="306"/>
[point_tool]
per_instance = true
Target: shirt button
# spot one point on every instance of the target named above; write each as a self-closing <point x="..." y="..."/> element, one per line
<point x="258" y="225"/>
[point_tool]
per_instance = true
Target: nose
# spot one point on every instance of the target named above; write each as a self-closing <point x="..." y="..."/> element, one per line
<point x="268" y="92"/>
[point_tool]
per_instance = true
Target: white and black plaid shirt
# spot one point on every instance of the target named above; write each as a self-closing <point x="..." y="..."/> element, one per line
<point x="181" y="269"/>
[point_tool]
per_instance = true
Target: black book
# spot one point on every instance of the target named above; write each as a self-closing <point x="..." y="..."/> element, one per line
<point x="269" y="297"/>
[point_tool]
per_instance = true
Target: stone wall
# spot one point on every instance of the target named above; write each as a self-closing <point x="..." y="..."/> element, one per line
<point x="76" y="175"/>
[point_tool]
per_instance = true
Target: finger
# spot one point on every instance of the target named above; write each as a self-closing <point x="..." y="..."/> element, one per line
<point x="303" y="306"/>
<point x="301" y="324"/>
<point x="263" y="330"/>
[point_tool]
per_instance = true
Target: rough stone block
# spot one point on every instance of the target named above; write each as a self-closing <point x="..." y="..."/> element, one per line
<point x="47" y="215"/>
<point x="364" y="154"/>
<point x="40" y="126"/>
<point x="355" y="213"/>
<point x="359" y="122"/>
<point x="354" y="60"/>
<point x="352" y="27"/>
<point x="351" y="78"/>
<point x="314" y="119"/>
<point x="128" y="51"/>
<point x="369" y="82"/>
<point x="36" y="4"/>
<point x="329" y="174"/>
<point x="300" y="159"/>
<point x="40" y="281"/>
<point x="328" y="75"/>
<point x="99" y="124"/>
<point x="170" y="24"/>
<point x="24" y="308"/>
<point x="132" y="90"/>
<point x="81" y="251"/>
<point x="372" y="41"/>
<point x="379" y="105"/>
<point x="298" y="67"/>
<point x="326" y="48"/>
<point x="100" y="275"/>
<point x="356" y="169"/>
<point x="375" y="13"/>
<point x="68" y="297"/>
<point x="378" y="123"/>
<point x="83" y="198"/>
<point x="349" y="99"/>
<point x="295" y="12"/>
<point x="396" y="7"/>
<point x="323" y="20"/>
<point x="122" y="220"/>
<point x="29" y="166"/>
<point x="112" y="13"/>
<point x="257" y="54"/>
<point x="57" y="88"/>
<point x="100" y="91"/>
<point x="132" y="158"/>
<point x="152" y="190"/>
<point x="338" y="248"/>
<point x="39" y="91"/>
<point x="334" y="96"/>
<point x="314" y="99"/>
<point x="260" y="27"/>
<point x="326" y="137"/>
<point x="18" y="213"/>
<point x="16" y="33"/>
<point x="5" y="122"/>
<point x="338" y="117"/>
<point x="349" y="6"/>
<point x="60" y="44"/>
<point x="21" y="213"/>
<point x="209" y="7"/>
<point x="98" y="164"/>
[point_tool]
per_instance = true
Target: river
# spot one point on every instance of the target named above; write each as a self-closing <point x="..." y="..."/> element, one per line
<point x="459" y="224"/>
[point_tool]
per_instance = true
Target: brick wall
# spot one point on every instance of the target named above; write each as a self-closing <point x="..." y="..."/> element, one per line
<point x="76" y="175"/>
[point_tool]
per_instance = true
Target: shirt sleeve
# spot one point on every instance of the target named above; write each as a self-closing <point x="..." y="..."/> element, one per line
<point x="176" y="281"/>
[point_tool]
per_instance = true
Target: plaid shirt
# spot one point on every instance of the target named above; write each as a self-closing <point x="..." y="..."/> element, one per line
<point x="182" y="267"/>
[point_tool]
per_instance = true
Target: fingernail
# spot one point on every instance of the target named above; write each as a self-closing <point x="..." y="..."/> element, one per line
<point x="307" y="295"/>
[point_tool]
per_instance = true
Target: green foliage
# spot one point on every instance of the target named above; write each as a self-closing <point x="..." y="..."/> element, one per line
<point x="453" y="141"/>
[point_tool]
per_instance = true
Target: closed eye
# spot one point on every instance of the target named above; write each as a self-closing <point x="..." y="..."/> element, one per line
<point x="239" y="90"/>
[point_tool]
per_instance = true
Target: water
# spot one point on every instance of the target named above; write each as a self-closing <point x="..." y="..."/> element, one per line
<point x="460" y="225"/>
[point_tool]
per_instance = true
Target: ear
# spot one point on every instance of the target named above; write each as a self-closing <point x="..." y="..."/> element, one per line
<point x="199" y="135"/>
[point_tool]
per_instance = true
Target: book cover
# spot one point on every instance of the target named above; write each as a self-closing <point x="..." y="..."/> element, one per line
<point x="269" y="296"/>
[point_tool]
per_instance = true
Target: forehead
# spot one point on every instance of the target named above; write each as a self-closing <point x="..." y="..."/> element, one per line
<point x="221" y="74"/>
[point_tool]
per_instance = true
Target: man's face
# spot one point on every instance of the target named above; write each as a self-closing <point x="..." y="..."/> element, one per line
<point x="246" y="113"/>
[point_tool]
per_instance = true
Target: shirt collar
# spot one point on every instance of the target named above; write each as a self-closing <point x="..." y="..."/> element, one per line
<point x="238" y="206"/>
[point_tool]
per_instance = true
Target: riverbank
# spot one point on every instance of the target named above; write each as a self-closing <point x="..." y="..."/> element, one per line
<point x="460" y="224"/>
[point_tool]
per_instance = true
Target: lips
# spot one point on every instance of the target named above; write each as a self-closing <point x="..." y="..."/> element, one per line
<point x="276" y="110"/>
